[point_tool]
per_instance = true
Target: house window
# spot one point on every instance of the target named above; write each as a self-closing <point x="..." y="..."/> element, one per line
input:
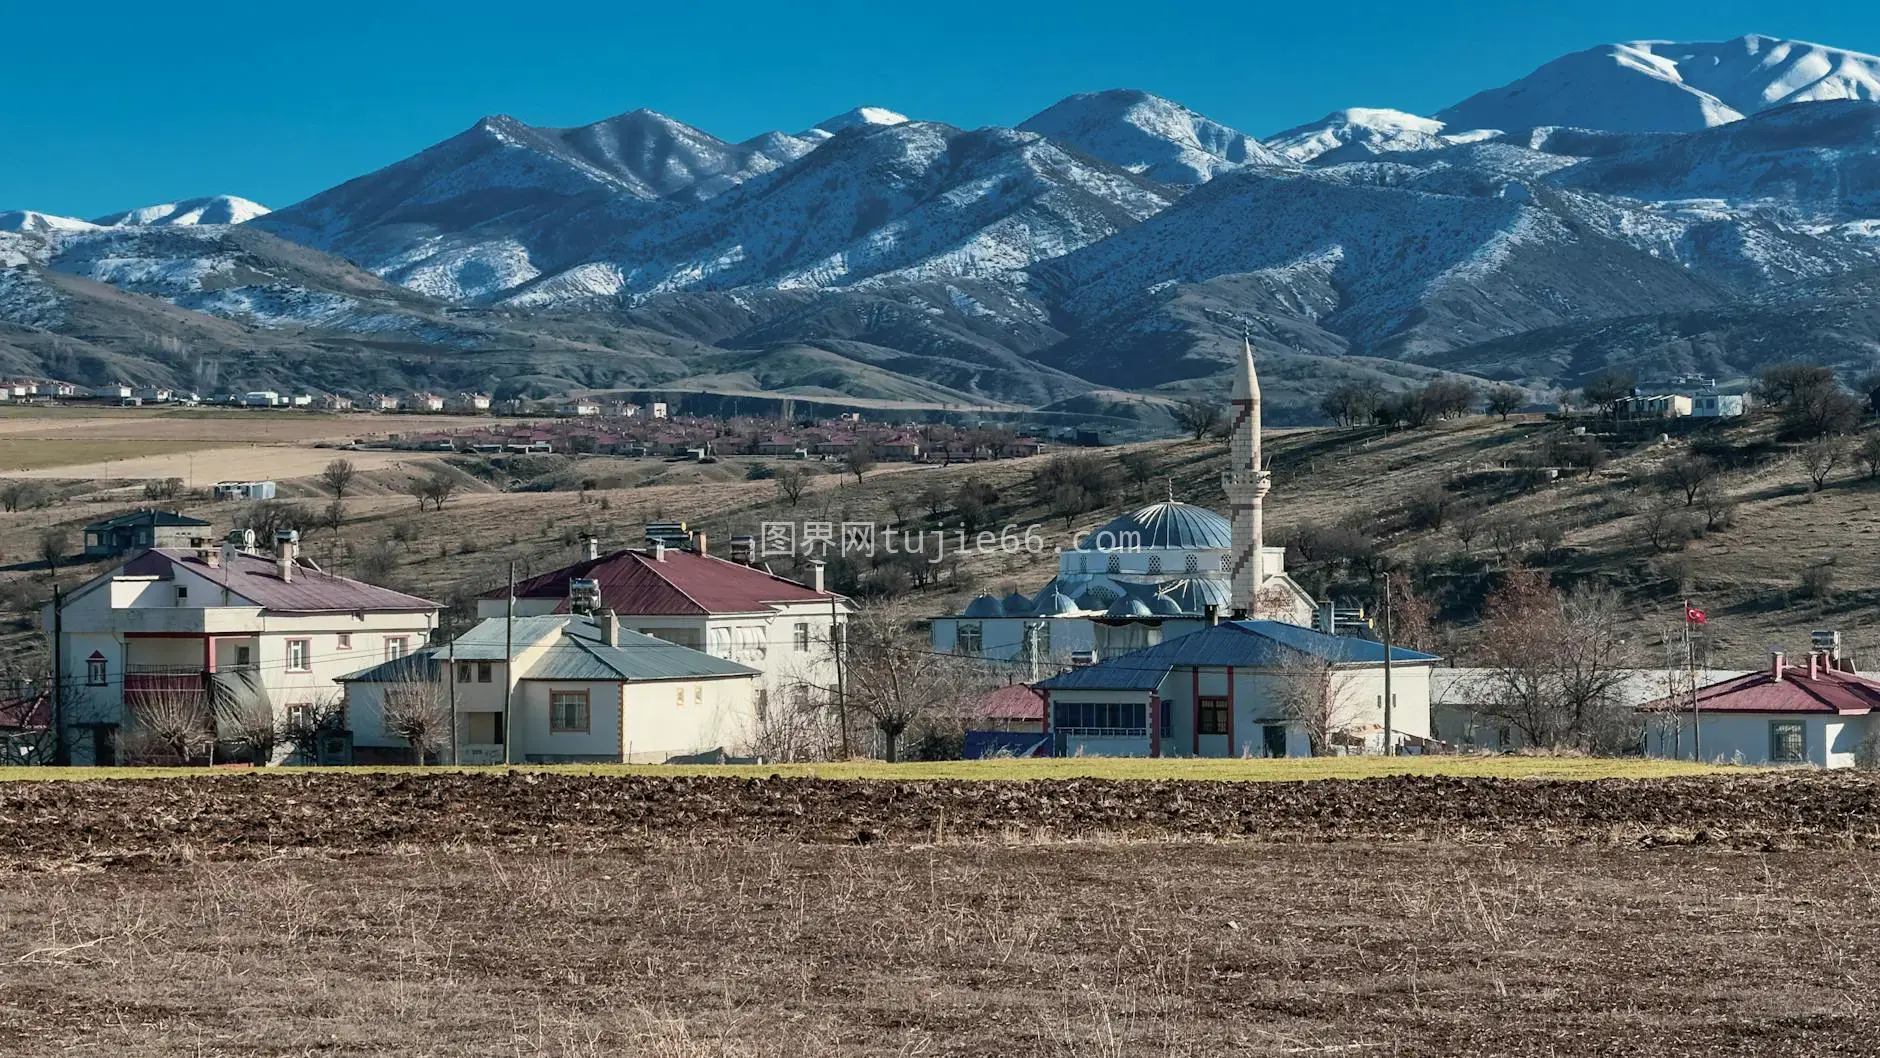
<point x="1106" y="719"/>
<point x="244" y="657"/>
<point x="299" y="658"/>
<point x="94" y="672"/>
<point x="968" y="640"/>
<point x="182" y="594"/>
<point x="568" y="711"/>
<point x="483" y="672"/>
<point x="463" y="672"/>
<point x="300" y="716"/>
<point x="345" y="641"/>
<point x="1191" y="564"/>
<point x="1788" y="742"/>
<point x="1155" y="563"/>
<point x="698" y="694"/>
<point x="397" y="647"/>
<point x="1211" y="716"/>
<point x="1116" y="563"/>
<point x="678" y="697"/>
<point x="763" y="705"/>
<point x="799" y="636"/>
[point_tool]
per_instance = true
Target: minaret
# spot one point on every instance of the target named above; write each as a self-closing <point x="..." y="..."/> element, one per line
<point x="1245" y="483"/>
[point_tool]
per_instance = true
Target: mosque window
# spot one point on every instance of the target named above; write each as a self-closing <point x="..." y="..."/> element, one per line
<point x="1211" y="715"/>
<point x="1116" y="563"/>
<point x="1227" y="563"/>
<point x="1155" y="563"/>
<point x="968" y="639"/>
<point x="1191" y="564"/>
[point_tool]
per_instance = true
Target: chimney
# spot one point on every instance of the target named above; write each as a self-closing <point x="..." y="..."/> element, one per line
<point x="1777" y="665"/>
<point x="610" y="627"/>
<point x="659" y="551"/>
<point x="1814" y="664"/>
<point x="1211" y="613"/>
<point x="593" y="547"/>
<point x="816" y="575"/>
<point x="286" y="543"/>
<point x="701" y="544"/>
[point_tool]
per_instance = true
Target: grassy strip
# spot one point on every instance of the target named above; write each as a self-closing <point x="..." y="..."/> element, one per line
<point x="1258" y="770"/>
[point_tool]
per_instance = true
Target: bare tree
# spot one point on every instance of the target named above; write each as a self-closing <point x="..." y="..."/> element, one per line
<point x="170" y="720"/>
<point x="1553" y="663"/>
<point x="245" y="724"/>
<point x="1504" y="401"/>
<point x="302" y="729"/>
<point x="1140" y="468"/>
<point x="1687" y="474"/>
<point x="861" y="458"/>
<point x="1819" y="458"/>
<point x="898" y="680"/>
<point x="54" y="544"/>
<point x="1317" y="698"/>
<point x="18" y="495"/>
<point x="1197" y="416"/>
<point x="1867" y="453"/>
<point x="338" y="477"/>
<point x="790" y="483"/>
<point x="415" y="709"/>
<point x="442" y="486"/>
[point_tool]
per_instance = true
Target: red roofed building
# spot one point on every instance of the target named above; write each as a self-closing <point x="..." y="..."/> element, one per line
<point x="1013" y="708"/>
<point x="231" y="622"/>
<point x="733" y="611"/>
<point x="1818" y="711"/>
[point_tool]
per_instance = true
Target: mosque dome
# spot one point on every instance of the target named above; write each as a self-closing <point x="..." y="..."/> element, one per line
<point x="983" y="606"/>
<point x="1163" y="606"/>
<point x="1166" y="525"/>
<point x="1129" y="606"/>
<point x="1053" y="603"/>
<point x="1016" y="603"/>
<point x="1197" y="594"/>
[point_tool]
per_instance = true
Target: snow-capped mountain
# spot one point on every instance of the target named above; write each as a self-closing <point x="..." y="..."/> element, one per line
<point x="1143" y="133"/>
<point x="1661" y="86"/>
<point x="1364" y="132"/>
<point x="30" y="220"/>
<point x="1115" y="238"/>
<point x="216" y="209"/>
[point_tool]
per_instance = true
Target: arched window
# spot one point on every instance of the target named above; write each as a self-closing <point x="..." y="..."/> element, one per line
<point x="1155" y="563"/>
<point x="1116" y="563"/>
<point x="1191" y="564"/>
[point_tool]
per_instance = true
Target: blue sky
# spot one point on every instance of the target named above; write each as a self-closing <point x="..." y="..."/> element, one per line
<point x="111" y="105"/>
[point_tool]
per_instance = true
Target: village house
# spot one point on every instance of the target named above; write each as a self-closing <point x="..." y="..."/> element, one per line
<point x="271" y="629"/>
<point x="1224" y="691"/>
<point x="333" y="402"/>
<point x="259" y="398"/>
<point x="470" y="403"/>
<point x="381" y="402"/>
<point x="142" y="530"/>
<point x="579" y="408"/>
<point x="687" y="596"/>
<point x="153" y="394"/>
<point x="1819" y="712"/>
<point x="899" y="447"/>
<point x="563" y="688"/>
<point x="113" y="391"/>
<point x="424" y="403"/>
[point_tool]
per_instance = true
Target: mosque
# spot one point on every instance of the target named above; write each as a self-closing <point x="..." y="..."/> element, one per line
<point x="1148" y="576"/>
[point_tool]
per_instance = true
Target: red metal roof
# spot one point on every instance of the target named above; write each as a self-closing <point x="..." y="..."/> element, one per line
<point x="684" y="582"/>
<point x="1796" y="692"/>
<point x="1017" y="702"/>
<point x="258" y="580"/>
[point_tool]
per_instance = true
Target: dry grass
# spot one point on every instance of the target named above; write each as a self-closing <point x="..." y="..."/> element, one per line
<point x="992" y="949"/>
<point x="1160" y="769"/>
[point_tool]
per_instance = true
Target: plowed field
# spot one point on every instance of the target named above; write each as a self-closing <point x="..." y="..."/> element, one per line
<point x="530" y="914"/>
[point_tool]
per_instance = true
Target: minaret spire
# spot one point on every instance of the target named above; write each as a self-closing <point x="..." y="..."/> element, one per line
<point x="1246" y="483"/>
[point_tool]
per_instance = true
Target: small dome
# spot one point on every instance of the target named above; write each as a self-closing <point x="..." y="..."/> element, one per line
<point x="1194" y="596"/>
<point x="1170" y="525"/>
<point x="1163" y="606"/>
<point x="983" y="606"/>
<point x="1054" y="604"/>
<point x="1129" y="606"/>
<point x="1016" y="603"/>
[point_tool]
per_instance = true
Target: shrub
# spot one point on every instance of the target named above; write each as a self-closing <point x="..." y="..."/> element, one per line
<point x="1818" y="582"/>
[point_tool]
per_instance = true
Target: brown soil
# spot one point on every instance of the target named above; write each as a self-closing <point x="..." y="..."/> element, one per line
<point x="565" y="915"/>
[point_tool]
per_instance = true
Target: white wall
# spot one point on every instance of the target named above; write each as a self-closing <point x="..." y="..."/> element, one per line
<point x="1831" y="741"/>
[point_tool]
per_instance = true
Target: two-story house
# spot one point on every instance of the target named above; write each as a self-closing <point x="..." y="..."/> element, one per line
<point x="687" y="596"/>
<point x="204" y="621"/>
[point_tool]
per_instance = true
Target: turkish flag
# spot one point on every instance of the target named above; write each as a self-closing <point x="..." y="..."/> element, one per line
<point x="1694" y="615"/>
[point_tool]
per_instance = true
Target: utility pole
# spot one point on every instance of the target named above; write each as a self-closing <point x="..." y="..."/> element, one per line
<point x="509" y="668"/>
<point x="1031" y="650"/>
<point x="1690" y="674"/>
<point x="61" y="753"/>
<point x="450" y="664"/>
<point x="842" y="696"/>
<point x="1390" y="750"/>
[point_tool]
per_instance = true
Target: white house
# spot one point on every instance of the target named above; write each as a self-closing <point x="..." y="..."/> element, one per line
<point x="1718" y="405"/>
<point x="1819" y="712"/>
<point x="424" y="402"/>
<point x="260" y="398"/>
<point x="689" y="597"/>
<point x="578" y="408"/>
<point x="1223" y="691"/>
<point x="562" y="688"/>
<point x="115" y="391"/>
<point x="219" y="622"/>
